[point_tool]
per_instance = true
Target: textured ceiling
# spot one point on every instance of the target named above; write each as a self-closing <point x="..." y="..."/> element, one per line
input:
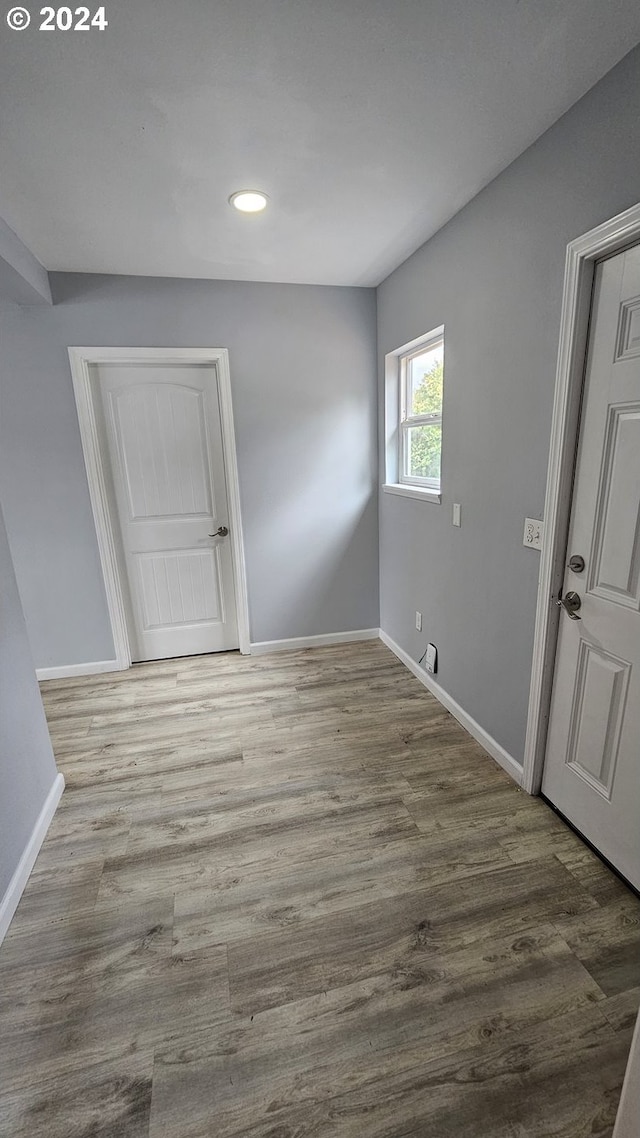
<point x="368" y="122"/>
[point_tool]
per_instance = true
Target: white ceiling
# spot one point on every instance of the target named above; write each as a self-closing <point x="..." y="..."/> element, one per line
<point x="368" y="122"/>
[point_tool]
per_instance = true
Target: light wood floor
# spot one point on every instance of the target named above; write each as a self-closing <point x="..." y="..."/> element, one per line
<point x="288" y="896"/>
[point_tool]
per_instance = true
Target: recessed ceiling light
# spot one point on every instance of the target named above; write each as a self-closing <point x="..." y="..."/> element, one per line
<point x="248" y="201"/>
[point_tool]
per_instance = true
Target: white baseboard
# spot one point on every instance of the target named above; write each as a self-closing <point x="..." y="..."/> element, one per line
<point x="9" y="902"/>
<point x="502" y="757"/>
<point x="65" y="671"/>
<point x="261" y="647"/>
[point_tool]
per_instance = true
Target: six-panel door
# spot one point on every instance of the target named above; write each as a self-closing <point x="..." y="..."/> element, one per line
<point x="592" y="767"/>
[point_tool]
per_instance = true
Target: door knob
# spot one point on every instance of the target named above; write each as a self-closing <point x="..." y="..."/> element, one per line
<point x="221" y="531"/>
<point x="570" y="603"/>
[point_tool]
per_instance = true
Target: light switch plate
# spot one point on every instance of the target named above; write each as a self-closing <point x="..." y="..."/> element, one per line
<point x="533" y="531"/>
<point x="455" y="520"/>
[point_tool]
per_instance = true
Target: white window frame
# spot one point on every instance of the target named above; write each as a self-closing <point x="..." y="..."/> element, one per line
<point x="398" y="422"/>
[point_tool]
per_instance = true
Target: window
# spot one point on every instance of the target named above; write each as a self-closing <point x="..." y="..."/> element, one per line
<point x="414" y="417"/>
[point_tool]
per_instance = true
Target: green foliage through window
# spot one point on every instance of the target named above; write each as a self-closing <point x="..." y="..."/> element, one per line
<point x="425" y="441"/>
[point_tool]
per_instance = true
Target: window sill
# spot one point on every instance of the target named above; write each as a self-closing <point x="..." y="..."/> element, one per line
<point x="423" y="494"/>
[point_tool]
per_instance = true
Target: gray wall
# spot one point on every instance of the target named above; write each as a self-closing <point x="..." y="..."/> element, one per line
<point x="23" y="280"/>
<point x="27" y="768"/>
<point x="303" y="374"/>
<point x="493" y="276"/>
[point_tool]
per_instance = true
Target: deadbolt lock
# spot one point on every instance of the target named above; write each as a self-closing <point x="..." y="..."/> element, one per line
<point x="576" y="563"/>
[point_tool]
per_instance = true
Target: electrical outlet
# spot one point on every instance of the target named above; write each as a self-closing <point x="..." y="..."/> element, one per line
<point x="419" y="621"/>
<point x="533" y="531"/>
<point x="431" y="659"/>
<point x="456" y="514"/>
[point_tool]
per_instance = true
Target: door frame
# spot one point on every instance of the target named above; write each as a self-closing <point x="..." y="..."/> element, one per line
<point x="83" y="363"/>
<point x="605" y="240"/>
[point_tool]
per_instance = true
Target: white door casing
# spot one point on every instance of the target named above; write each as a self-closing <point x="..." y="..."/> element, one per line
<point x="184" y="581"/>
<point x="592" y="767"/>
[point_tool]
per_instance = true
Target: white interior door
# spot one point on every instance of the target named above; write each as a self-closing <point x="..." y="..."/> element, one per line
<point x="592" y="765"/>
<point x="162" y="433"/>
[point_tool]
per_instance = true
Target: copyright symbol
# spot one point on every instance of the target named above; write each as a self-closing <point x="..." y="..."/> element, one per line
<point x="18" y="19"/>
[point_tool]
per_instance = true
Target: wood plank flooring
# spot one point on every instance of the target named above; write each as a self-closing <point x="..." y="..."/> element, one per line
<point x="288" y="896"/>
